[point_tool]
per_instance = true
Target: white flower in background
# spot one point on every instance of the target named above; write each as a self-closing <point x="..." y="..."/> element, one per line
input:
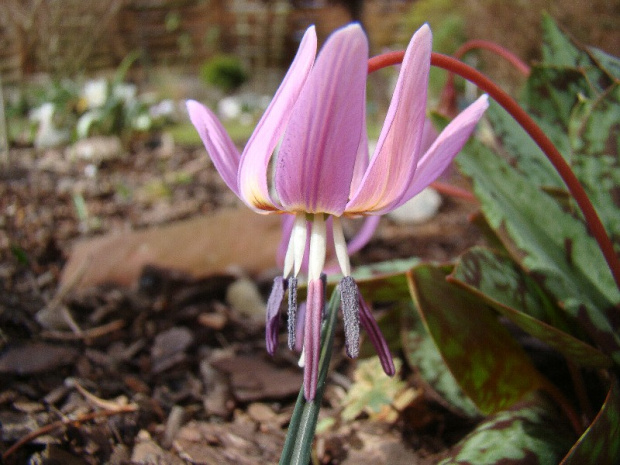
<point x="164" y="109"/>
<point x="95" y="93"/>
<point x="142" y="122"/>
<point x="229" y="108"/>
<point x="48" y="135"/>
<point x="125" y="92"/>
<point x="85" y="121"/>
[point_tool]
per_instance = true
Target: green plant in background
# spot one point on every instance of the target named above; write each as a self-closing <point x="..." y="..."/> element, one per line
<point x="225" y="72"/>
<point x="70" y="109"/>
<point x="448" y="27"/>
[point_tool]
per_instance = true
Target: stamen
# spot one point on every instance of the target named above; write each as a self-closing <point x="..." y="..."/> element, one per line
<point x="272" y="316"/>
<point x="317" y="248"/>
<point x="376" y="338"/>
<point x="349" y="295"/>
<point x="292" y="312"/>
<point x="341" y="247"/>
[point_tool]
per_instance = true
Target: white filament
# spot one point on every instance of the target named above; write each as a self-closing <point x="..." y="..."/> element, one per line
<point x="341" y="248"/>
<point x="318" y="243"/>
<point x="296" y="246"/>
<point x="300" y="233"/>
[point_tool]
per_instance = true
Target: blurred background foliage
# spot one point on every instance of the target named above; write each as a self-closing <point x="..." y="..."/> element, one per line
<point x="210" y="49"/>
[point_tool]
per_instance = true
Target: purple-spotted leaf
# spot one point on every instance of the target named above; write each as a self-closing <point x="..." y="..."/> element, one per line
<point x="600" y="443"/>
<point x="548" y="243"/>
<point x="490" y="366"/>
<point x="498" y="281"/>
<point x="422" y="355"/>
<point x="530" y="432"/>
<point x="384" y="281"/>
<point x="574" y="96"/>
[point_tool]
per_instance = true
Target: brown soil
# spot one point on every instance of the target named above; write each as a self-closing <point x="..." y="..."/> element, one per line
<point x="166" y="372"/>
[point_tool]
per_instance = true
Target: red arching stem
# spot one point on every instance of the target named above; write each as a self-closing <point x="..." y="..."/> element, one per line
<point x="512" y="107"/>
<point x="448" y="95"/>
<point x="522" y="67"/>
<point x="453" y="191"/>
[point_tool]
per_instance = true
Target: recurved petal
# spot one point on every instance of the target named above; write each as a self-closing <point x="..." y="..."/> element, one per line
<point x="398" y="149"/>
<point x="447" y="146"/>
<point x="429" y="135"/>
<point x="318" y="153"/>
<point x="365" y="233"/>
<point x="220" y="147"/>
<point x="254" y="166"/>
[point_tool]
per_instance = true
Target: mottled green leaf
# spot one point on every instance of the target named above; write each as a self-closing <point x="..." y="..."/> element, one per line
<point x="551" y="93"/>
<point x="498" y="281"/>
<point x="522" y="151"/>
<point x="608" y="63"/>
<point x="531" y="432"/>
<point x="423" y="356"/>
<point x="600" y="444"/>
<point x="562" y="52"/>
<point x="548" y="242"/>
<point x="595" y="142"/>
<point x="574" y="96"/>
<point x="486" y="361"/>
<point x="558" y="49"/>
<point x="384" y="281"/>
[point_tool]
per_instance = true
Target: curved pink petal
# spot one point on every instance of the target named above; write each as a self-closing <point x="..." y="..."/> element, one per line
<point x="216" y="140"/>
<point x="318" y="153"/>
<point x="362" y="159"/>
<point x="364" y="234"/>
<point x="445" y="148"/>
<point x="398" y="149"/>
<point x="429" y="135"/>
<point x="253" y="169"/>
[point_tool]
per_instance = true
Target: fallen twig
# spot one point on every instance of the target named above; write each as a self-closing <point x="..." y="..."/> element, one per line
<point x="65" y="422"/>
<point x="91" y="333"/>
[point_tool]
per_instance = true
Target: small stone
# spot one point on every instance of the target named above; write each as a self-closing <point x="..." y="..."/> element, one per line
<point x="36" y="357"/>
<point x="215" y="321"/>
<point x="419" y="209"/>
<point x="261" y="413"/>
<point x="173" y="424"/>
<point x="97" y="149"/>
<point x="244" y="296"/>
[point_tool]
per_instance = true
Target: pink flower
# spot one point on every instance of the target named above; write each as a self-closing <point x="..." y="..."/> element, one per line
<point x="323" y="169"/>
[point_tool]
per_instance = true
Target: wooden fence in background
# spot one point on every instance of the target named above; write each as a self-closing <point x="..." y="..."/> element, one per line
<point x="65" y="37"/>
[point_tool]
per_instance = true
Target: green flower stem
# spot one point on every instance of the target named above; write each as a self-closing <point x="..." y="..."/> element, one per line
<point x="298" y="445"/>
<point x="593" y="221"/>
